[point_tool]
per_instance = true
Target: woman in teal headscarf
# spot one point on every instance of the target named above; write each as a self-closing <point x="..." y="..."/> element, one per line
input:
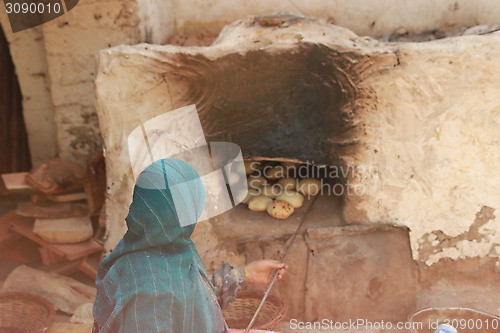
<point x="154" y="280"/>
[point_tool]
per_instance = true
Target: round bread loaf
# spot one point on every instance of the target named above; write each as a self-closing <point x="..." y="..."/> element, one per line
<point x="256" y="182"/>
<point x="288" y="184"/>
<point x="279" y="209"/>
<point x="271" y="191"/>
<point x="293" y="198"/>
<point x="259" y="203"/>
<point x="309" y="186"/>
<point x="275" y="172"/>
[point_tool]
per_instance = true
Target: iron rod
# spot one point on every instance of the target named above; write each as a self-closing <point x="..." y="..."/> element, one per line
<point x="278" y="270"/>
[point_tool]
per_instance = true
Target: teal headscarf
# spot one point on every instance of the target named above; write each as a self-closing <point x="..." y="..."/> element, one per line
<point x="154" y="280"/>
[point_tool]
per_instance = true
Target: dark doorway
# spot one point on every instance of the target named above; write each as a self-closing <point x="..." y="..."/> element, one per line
<point x="14" y="149"/>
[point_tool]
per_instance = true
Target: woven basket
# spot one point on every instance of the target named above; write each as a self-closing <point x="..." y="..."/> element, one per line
<point x="25" y="313"/>
<point x="239" y="313"/>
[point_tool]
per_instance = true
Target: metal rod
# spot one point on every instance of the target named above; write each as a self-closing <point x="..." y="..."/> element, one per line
<point x="278" y="270"/>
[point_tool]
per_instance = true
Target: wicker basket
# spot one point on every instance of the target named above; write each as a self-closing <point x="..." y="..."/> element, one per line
<point x="239" y="313"/>
<point x="25" y="313"/>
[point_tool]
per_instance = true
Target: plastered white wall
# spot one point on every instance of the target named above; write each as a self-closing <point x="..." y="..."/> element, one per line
<point x="433" y="140"/>
<point x="364" y="17"/>
<point x="71" y="42"/>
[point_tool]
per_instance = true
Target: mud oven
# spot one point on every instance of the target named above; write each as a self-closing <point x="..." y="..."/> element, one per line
<point x="288" y="88"/>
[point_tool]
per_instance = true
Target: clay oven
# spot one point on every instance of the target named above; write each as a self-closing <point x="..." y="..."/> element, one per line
<point x="289" y="88"/>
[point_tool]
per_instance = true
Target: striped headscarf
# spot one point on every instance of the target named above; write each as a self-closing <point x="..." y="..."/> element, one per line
<point x="154" y="280"/>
